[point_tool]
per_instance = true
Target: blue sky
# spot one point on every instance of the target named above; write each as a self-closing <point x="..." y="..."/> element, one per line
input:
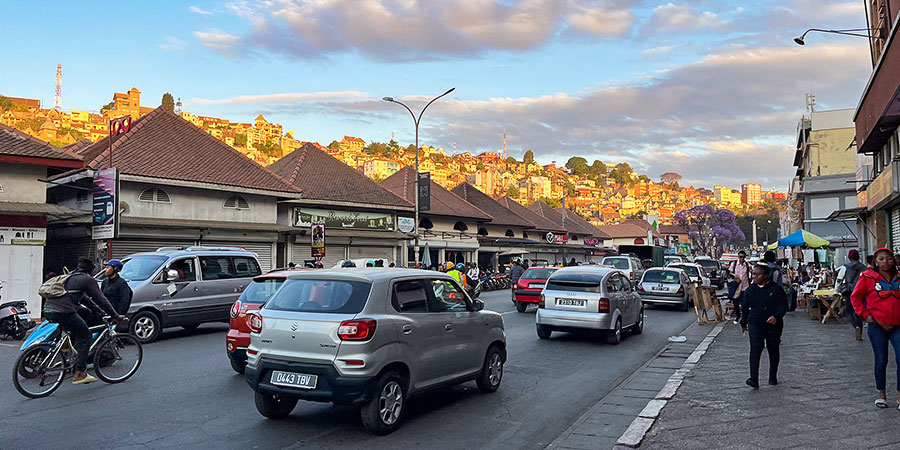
<point x="710" y="89"/>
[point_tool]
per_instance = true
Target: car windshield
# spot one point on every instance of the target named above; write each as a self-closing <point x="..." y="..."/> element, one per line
<point x="708" y="263"/>
<point x="321" y="296"/>
<point x="575" y="282"/>
<point x="537" y="274"/>
<point x="618" y="263"/>
<point x="260" y="291"/>
<point x="661" y="276"/>
<point x="141" y="267"/>
<point x="691" y="271"/>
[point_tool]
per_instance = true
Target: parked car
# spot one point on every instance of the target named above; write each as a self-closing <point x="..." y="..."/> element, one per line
<point x="528" y="289"/>
<point x="714" y="270"/>
<point x="185" y="286"/>
<point x="370" y="338"/>
<point x="667" y="286"/>
<point x="672" y="259"/>
<point x="694" y="272"/>
<point x="589" y="298"/>
<point x="258" y="292"/>
<point x="630" y="265"/>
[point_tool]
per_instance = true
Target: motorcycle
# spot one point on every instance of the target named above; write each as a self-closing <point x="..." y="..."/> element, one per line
<point x="15" y="320"/>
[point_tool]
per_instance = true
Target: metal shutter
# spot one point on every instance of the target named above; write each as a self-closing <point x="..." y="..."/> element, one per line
<point x="263" y="250"/>
<point x="124" y="247"/>
<point x="895" y="229"/>
<point x="333" y="255"/>
<point x="301" y="252"/>
<point x="64" y="252"/>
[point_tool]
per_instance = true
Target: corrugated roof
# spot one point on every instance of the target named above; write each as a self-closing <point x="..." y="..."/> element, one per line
<point x="443" y="202"/>
<point x="501" y="215"/>
<point x="16" y="143"/>
<point x="555" y="215"/>
<point x="323" y="177"/>
<point x="539" y="222"/>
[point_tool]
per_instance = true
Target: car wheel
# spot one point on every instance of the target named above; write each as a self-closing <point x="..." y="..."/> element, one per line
<point x="683" y="307"/>
<point x="491" y="371"/>
<point x="191" y="326"/>
<point x="638" y="328"/>
<point x="238" y="366"/>
<point x="382" y="414"/>
<point x="145" y="326"/>
<point x="521" y="306"/>
<point x="274" y="406"/>
<point x="544" y="331"/>
<point x="615" y="337"/>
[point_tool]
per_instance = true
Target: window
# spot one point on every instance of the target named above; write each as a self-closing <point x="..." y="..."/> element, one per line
<point x="139" y="268"/>
<point x="186" y="268"/>
<point x="850" y="201"/>
<point x="245" y="267"/>
<point x="575" y="282"/>
<point x="260" y="291"/>
<point x="613" y="284"/>
<point x="509" y="233"/>
<point x="626" y="284"/>
<point x="216" y="267"/>
<point x="617" y="262"/>
<point x="154" y="195"/>
<point x="447" y="297"/>
<point x="321" y="296"/>
<point x="460" y="226"/>
<point x="410" y="297"/>
<point x="822" y="207"/>
<point x="236" y="202"/>
<point x="661" y="276"/>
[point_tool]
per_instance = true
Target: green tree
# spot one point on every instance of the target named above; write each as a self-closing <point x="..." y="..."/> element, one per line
<point x="109" y="105"/>
<point x="578" y="165"/>
<point x="334" y="145"/>
<point x="675" y="185"/>
<point x="62" y="131"/>
<point x="644" y="178"/>
<point x="598" y="169"/>
<point x="168" y="102"/>
<point x="529" y="157"/>
<point x="240" y="140"/>
<point x="6" y="104"/>
<point x="479" y="165"/>
<point x="512" y="192"/>
<point x="511" y="160"/>
<point x="32" y="123"/>
<point x="378" y="148"/>
<point x="624" y="167"/>
<point x="270" y="149"/>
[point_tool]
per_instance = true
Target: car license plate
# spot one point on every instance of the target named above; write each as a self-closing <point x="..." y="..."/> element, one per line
<point x="536" y="286"/>
<point x="292" y="379"/>
<point x="661" y="289"/>
<point x="570" y="302"/>
<point x="25" y="316"/>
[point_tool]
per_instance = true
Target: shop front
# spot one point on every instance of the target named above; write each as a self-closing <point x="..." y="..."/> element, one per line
<point x="349" y="234"/>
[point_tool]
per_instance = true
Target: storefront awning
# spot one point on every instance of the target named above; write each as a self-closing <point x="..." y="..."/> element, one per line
<point x="46" y="209"/>
<point x="846" y="214"/>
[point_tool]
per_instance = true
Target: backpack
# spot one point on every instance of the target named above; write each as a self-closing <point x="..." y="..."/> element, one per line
<point x="55" y="287"/>
<point x="851" y="276"/>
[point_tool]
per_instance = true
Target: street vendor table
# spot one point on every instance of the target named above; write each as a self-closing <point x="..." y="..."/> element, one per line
<point x="832" y="302"/>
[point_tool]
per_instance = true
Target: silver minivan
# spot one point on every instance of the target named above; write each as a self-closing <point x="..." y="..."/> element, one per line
<point x="589" y="298"/>
<point x="185" y="286"/>
<point x="370" y="337"/>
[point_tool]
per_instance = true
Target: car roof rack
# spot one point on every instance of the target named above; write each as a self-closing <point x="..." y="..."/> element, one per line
<point x="199" y="248"/>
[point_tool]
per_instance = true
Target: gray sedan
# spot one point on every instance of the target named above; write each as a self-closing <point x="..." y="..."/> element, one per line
<point x="668" y="286"/>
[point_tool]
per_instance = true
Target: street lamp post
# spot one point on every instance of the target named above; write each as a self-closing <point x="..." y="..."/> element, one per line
<point x="416" y="121"/>
<point x="800" y="40"/>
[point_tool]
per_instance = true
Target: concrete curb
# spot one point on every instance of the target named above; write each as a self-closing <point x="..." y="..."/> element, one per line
<point x="638" y="429"/>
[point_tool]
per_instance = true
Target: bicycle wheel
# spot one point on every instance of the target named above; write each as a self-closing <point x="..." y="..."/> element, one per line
<point x="34" y="376"/>
<point x="118" y="358"/>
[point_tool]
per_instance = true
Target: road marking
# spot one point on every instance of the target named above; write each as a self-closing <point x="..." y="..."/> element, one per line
<point x="508" y="312"/>
<point x="8" y="345"/>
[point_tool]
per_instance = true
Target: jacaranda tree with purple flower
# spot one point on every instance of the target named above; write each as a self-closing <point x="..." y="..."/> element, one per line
<point x="710" y="228"/>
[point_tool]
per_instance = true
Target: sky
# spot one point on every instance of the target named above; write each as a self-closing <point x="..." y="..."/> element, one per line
<point x="710" y="89"/>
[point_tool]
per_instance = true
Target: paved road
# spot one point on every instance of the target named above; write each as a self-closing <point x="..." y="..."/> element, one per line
<point x="186" y="395"/>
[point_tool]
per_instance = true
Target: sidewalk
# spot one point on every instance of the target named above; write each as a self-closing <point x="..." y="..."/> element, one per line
<point x="824" y="399"/>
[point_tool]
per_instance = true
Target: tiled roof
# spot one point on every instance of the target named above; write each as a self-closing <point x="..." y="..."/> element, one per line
<point x="555" y="216"/>
<point x="443" y="202"/>
<point x="354" y="139"/>
<point x="501" y="215"/>
<point x="539" y="222"/>
<point x="583" y="224"/>
<point x="163" y="145"/>
<point x="629" y="229"/>
<point x="672" y="229"/>
<point x="16" y="143"/>
<point x="323" y="177"/>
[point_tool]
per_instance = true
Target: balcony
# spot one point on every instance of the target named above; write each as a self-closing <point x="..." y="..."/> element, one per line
<point x="878" y="113"/>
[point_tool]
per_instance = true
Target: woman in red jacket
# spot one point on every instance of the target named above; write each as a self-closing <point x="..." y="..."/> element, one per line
<point x="876" y="299"/>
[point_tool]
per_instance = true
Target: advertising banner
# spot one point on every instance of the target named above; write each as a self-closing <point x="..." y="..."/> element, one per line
<point x="424" y="191"/>
<point x="307" y="217"/>
<point x="317" y="234"/>
<point x="106" y="204"/>
<point x="23" y="236"/>
<point x="405" y="224"/>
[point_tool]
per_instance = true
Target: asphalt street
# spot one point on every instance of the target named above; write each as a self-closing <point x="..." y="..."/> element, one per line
<point x="185" y="395"/>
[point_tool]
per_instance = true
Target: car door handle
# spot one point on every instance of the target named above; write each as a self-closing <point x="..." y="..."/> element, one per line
<point x="448" y="327"/>
<point x="407" y="329"/>
<point x="196" y="289"/>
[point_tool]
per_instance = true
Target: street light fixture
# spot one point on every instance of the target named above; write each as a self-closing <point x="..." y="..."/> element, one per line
<point x="416" y="121"/>
<point x="800" y="40"/>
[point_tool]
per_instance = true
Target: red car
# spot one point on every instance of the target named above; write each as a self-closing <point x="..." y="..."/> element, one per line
<point x="528" y="288"/>
<point x="252" y="299"/>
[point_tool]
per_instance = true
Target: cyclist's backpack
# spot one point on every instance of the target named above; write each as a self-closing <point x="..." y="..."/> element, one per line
<point x="55" y="287"/>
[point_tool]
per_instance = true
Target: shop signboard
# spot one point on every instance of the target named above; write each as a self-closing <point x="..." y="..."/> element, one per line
<point x="882" y="188"/>
<point x="106" y="204"/>
<point x="424" y="191"/>
<point x="591" y="241"/>
<point x="306" y="217"/>
<point x="317" y="235"/>
<point x="23" y="236"/>
<point x="556" y="238"/>
<point x="683" y="248"/>
<point x="405" y="224"/>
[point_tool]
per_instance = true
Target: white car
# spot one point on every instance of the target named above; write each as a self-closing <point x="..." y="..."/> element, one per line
<point x="694" y="271"/>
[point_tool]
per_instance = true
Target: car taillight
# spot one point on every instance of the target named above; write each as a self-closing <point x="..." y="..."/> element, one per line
<point x="255" y="322"/>
<point x="521" y="285"/>
<point x="235" y="309"/>
<point x="13" y="310"/>
<point x="641" y="287"/>
<point x="603" y="305"/>
<point x="356" y="330"/>
<point x="681" y="289"/>
<point x="541" y="302"/>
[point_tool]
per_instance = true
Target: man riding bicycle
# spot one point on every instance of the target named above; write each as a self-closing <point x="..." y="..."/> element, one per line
<point x="64" y="311"/>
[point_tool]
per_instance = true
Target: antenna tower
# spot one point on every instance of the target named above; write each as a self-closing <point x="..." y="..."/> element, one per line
<point x="58" y="99"/>
<point x="504" y="144"/>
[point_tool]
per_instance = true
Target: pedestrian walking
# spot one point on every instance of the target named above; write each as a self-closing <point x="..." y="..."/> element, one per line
<point x="774" y="269"/>
<point x="877" y="301"/>
<point x="848" y="276"/>
<point x="515" y="272"/>
<point x="741" y="271"/>
<point x="765" y="305"/>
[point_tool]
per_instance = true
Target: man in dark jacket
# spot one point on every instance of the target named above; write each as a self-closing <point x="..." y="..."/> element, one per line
<point x="115" y="288"/>
<point x="764" y="306"/>
<point x="515" y="272"/>
<point x="64" y="311"/>
<point x="848" y="275"/>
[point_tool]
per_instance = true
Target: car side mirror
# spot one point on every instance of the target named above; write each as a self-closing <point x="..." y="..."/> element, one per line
<point x="171" y="275"/>
<point x="477" y="305"/>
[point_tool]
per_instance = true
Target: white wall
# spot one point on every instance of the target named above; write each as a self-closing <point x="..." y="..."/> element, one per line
<point x="20" y="183"/>
<point x="21" y="268"/>
<point x="197" y="204"/>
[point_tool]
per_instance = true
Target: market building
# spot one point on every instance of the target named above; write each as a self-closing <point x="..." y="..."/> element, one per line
<point x="25" y="164"/>
<point x="361" y="217"/>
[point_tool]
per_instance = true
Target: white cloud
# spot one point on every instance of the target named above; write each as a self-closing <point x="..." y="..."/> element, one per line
<point x="681" y="17"/>
<point x="199" y="10"/>
<point x="172" y="44"/>
<point x="219" y="41"/>
<point x="602" y="21"/>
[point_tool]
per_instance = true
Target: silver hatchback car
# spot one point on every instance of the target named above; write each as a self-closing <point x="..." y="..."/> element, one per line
<point x="370" y="337"/>
<point x="667" y="286"/>
<point x="589" y="298"/>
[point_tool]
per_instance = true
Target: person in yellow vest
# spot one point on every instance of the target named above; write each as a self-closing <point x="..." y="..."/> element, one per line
<point x="457" y="272"/>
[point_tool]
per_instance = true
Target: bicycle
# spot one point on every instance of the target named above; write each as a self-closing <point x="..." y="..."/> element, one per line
<point x="45" y="363"/>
